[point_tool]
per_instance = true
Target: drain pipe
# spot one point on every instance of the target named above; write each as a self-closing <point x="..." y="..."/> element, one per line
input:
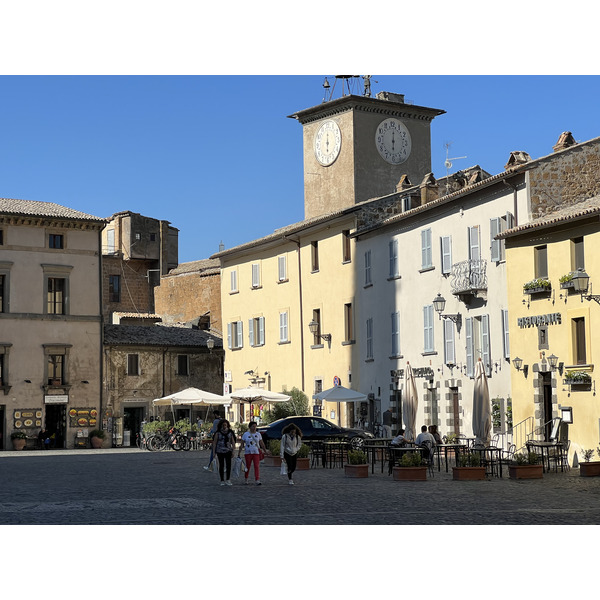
<point x="515" y="208"/>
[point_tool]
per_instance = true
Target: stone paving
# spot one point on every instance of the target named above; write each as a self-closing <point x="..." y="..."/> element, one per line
<point x="137" y="487"/>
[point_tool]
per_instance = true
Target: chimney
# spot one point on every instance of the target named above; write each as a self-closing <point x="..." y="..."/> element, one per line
<point x="391" y="97"/>
<point x="565" y="140"/>
<point x="429" y="189"/>
<point x="517" y="158"/>
<point x="403" y="184"/>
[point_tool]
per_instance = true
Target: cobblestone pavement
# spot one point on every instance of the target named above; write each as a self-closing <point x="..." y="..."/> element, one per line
<point x="136" y="487"/>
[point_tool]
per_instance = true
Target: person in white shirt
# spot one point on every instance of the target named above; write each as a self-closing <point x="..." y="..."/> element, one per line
<point x="291" y="440"/>
<point x="399" y="440"/>
<point x="253" y="446"/>
<point x="425" y="439"/>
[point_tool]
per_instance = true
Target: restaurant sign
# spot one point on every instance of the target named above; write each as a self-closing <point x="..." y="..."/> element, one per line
<point x="426" y="372"/>
<point x="536" y="321"/>
<point x="56" y="399"/>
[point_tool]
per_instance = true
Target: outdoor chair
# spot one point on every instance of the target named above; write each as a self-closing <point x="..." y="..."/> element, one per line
<point x="508" y="455"/>
<point x="317" y="451"/>
<point x="495" y="440"/>
<point x="429" y="455"/>
<point x="560" y="457"/>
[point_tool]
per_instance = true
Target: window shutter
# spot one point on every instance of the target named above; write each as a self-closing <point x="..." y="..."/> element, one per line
<point x="426" y="248"/>
<point x="261" y="331"/>
<point x="229" y="335"/>
<point x="393" y="258"/>
<point x="428" y="328"/>
<point x="485" y="344"/>
<point x="446" y="255"/>
<point x="251" y="331"/>
<point x="449" y="346"/>
<point x="255" y="275"/>
<point x="495" y="244"/>
<point x="282" y="268"/>
<point x="368" y="267"/>
<point x="505" y="333"/>
<point x="369" y="338"/>
<point x="510" y="220"/>
<point x="474" y="253"/>
<point x="395" y="334"/>
<point x="234" y="281"/>
<point x="283" y="327"/>
<point x="470" y="350"/>
<point x="240" y="338"/>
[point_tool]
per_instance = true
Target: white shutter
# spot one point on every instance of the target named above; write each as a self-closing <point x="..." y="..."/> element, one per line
<point x="283" y="327"/>
<point x="428" y="328"/>
<point x="495" y="244"/>
<point x="396" y="334"/>
<point x="255" y="275"/>
<point x="110" y="238"/>
<point x="474" y="252"/>
<point x="485" y="344"/>
<point x="368" y="267"/>
<point x="369" y="338"/>
<point x="505" y="333"/>
<point x="261" y="331"/>
<point x="229" y="335"/>
<point x="234" y="281"/>
<point x="251" y="332"/>
<point x="446" y="254"/>
<point x="394" y="258"/>
<point x="240" y="338"/>
<point x="282" y="268"/>
<point x="470" y="349"/>
<point x="426" y="248"/>
<point x="449" y="345"/>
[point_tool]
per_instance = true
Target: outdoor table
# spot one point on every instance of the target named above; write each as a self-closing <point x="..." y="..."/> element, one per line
<point x="335" y="450"/>
<point x="465" y="441"/>
<point x="399" y="450"/>
<point x="456" y="449"/>
<point x="372" y="450"/>
<point x="491" y="456"/>
<point x="544" y="451"/>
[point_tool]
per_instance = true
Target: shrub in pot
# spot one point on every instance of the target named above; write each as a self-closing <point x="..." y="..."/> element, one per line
<point x="411" y="468"/>
<point x="97" y="436"/>
<point x="526" y="465"/>
<point x="303" y="462"/>
<point x="589" y="468"/>
<point x="357" y="464"/>
<point x="469" y="468"/>
<point x="19" y="439"/>
<point x="272" y="459"/>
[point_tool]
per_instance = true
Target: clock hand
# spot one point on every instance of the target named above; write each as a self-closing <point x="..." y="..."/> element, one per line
<point x="393" y="140"/>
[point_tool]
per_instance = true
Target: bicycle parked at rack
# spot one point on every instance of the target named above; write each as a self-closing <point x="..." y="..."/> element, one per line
<point x="171" y="439"/>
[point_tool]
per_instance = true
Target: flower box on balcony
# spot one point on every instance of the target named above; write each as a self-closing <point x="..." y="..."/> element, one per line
<point x="577" y="378"/>
<point x="537" y="286"/>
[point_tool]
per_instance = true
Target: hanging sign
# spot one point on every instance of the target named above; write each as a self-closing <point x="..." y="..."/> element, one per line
<point x="337" y="381"/>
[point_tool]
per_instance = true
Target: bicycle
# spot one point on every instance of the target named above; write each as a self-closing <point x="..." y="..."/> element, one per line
<point x="171" y="439"/>
<point x="141" y="441"/>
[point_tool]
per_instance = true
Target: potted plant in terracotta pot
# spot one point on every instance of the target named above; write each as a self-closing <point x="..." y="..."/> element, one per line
<point x="526" y="465"/>
<point x="357" y="464"/>
<point x="273" y="459"/>
<point x="303" y="462"/>
<point x="411" y="468"/>
<point x="97" y="436"/>
<point x="469" y="468"/>
<point x="19" y="439"/>
<point x="589" y="468"/>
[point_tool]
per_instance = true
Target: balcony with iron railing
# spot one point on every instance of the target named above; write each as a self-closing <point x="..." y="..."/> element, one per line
<point x="469" y="277"/>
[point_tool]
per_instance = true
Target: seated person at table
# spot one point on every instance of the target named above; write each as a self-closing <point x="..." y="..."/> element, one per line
<point x="399" y="440"/>
<point x="434" y="432"/>
<point x="425" y="439"/>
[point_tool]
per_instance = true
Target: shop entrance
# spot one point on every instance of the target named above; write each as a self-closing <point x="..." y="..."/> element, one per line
<point x="1" y="427"/>
<point x="132" y="423"/>
<point x="547" y="390"/>
<point x="455" y="410"/>
<point x="56" y="424"/>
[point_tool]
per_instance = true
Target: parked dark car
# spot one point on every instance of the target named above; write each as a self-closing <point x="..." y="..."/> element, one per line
<point x="315" y="428"/>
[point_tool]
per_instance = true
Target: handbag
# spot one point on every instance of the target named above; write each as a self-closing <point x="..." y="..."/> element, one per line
<point x="283" y="467"/>
<point x="236" y="466"/>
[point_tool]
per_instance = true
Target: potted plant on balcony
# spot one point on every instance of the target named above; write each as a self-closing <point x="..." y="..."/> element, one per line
<point x="411" y="468"/>
<point x="357" y="464"/>
<point x="19" y="439"/>
<point x="577" y="378"/>
<point x="536" y="286"/>
<point x="589" y="468"/>
<point x="526" y="465"/>
<point x="97" y="436"/>
<point x="273" y="459"/>
<point x="566" y="281"/>
<point x="469" y="468"/>
<point x="303" y="462"/>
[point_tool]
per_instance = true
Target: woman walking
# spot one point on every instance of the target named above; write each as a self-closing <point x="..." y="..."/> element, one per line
<point x="223" y="445"/>
<point x="291" y="440"/>
<point x="253" y="444"/>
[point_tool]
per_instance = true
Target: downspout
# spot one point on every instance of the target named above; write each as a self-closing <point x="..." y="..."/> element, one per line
<point x="515" y="208"/>
<point x="101" y="313"/>
<point x="301" y="310"/>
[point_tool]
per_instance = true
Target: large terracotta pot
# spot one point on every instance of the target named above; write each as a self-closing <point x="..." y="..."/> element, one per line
<point x="19" y="443"/>
<point x="272" y="461"/>
<point x="525" y="471"/>
<point x="468" y="473"/>
<point x="303" y="464"/>
<point x="96" y="442"/>
<point x="410" y="473"/>
<point x="589" y="469"/>
<point x="357" y="471"/>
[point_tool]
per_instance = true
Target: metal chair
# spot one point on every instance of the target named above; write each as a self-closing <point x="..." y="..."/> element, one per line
<point x="430" y="454"/>
<point x="317" y="451"/>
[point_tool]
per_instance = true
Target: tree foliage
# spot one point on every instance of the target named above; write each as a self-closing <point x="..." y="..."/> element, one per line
<point x="298" y="405"/>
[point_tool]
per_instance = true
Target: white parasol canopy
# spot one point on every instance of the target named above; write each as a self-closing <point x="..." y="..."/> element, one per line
<point x="190" y="395"/>
<point x="410" y="404"/>
<point x="339" y="393"/>
<point x="482" y="407"/>
<point x="252" y="394"/>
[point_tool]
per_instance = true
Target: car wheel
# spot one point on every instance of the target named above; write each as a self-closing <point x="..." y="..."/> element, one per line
<point x="357" y="443"/>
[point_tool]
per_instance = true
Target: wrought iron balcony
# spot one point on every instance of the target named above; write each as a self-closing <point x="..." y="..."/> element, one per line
<point x="468" y="277"/>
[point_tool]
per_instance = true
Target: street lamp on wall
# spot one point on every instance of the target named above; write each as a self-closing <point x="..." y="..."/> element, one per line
<point x="314" y="329"/>
<point x="581" y="284"/>
<point x="210" y="344"/>
<point x="519" y="366"/>
<point x="439" y="303"/>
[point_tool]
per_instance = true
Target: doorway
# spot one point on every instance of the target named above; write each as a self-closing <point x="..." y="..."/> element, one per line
<point x="455" y="410"/>
<point x="132" y="423"/>
<point x="56" y="424"/>
<point x="1" y="427"/>
<point x="547" y="394"/>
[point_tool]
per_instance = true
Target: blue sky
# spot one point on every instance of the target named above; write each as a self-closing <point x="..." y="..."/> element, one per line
<point x="218" y="157"/>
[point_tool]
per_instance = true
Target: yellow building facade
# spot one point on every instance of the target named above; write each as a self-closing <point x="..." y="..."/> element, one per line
<point x="553" y="328"/>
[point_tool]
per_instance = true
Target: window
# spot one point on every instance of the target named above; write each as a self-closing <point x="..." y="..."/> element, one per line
<point x="56" y="296"/>
<point x="579" y="353"/>
<point x="317" y="334"/>
<point x="133" y="366"/>
<point x="449" y="343"/>
<point x="152" y="237"/>
<point x="446" y="244"/>
<point x="478" y="343"/>
<point x="346" y="252"/>
<point x="426" y="257"/>
<point x="395" y="334"/>
<point x="4" y="352"/>
<point x="1" y="237"/>
<point x="474" y="247"/>
<point x="233" y="282"/>
<point x="56" y="241"/>
<point x="315" y="255"/>
<point x="393" y="246"/>
<point x="505" y="333"/>
<point x="2" y="293"/>
<point x="2" y="380"/>
<point x="256" y="331"/>
<point x="283" y="328"/>
<point x="369" y="339"/>
<point x="183" y="365"/>
<point x="348" y="322"/>
<point x="541" y="261"/>
<point x="110" y="241"/>
<point x="114" y="288"/>
<point x="235" y="338"/>
<point x="55" y="368"/>
<point x="256" y="275"/>
<point x="577" y="258"/>
<point x="282" y="268"/>
<point x="5" y="267"/>
<point x="368" y="280"/>
<point x="428" y="329"/>
<point x="498" y="225"/>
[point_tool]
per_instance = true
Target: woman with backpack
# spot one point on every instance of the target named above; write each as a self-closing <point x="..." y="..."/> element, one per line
<point x="291" y="440"/>
<point x="223" y="445"/>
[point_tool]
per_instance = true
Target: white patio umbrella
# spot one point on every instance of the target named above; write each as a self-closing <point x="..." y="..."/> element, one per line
<point x="190" y="395"/>
<point x="410" y="404"/>
<point x="482" y="407"/>
<point x="250" y="394"/>
<point x="339" y="393"/>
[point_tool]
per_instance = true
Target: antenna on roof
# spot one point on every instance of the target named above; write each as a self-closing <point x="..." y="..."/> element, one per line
<point x="448" y="165"/>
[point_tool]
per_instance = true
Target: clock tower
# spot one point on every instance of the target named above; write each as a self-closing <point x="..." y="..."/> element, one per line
<point x="358" y="147"/>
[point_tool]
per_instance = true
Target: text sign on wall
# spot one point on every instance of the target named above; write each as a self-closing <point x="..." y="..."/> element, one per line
<point x="536" y="321"/>
<point x="56" y="399"/>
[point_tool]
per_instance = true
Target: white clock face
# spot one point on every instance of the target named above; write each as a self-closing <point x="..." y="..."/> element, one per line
<point x="328" y="143"/>
<point x="392" y="139"/>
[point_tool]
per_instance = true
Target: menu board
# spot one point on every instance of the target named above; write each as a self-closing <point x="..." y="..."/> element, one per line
<point x="27" y="418"/>
<point x="83" y="417"/>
